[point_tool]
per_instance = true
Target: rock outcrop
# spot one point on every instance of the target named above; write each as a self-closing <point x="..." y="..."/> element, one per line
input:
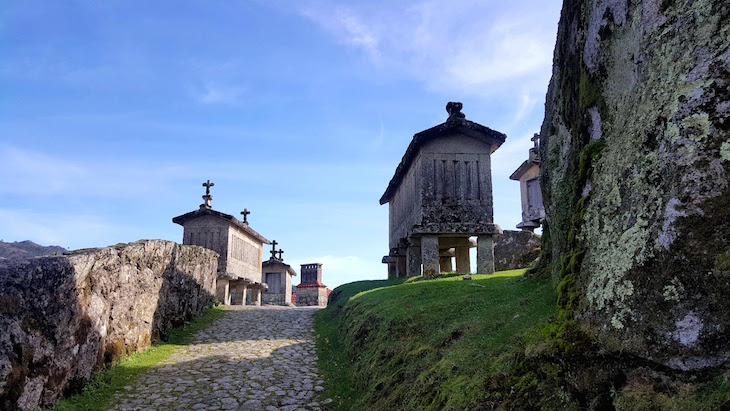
<point x="515" y="249"/>
<point x="636" y="160"/>
<point x="63" y="317"/>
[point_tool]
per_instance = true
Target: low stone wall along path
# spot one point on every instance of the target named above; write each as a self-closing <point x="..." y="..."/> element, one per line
<point x="252" y="358"/>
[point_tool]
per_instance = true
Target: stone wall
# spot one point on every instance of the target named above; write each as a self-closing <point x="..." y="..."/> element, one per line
<point x="515" y="249"/>
<point x="311" y="296"/>
<point x="63" y="317"/>
<point x="636" y="161"/>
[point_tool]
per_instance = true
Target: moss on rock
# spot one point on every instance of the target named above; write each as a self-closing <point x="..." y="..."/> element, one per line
<point x="635" y="176"/>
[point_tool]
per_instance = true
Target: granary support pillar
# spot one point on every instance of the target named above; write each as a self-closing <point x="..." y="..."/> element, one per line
<point x="485" y="254"/>
<point x="222" y="289"/>
<point x="392" y="270"/>
<point x="463" y="265"/>
<point x="445" y="264"/>
<point x="400" y="266"/>
<point x="430" y="255"/>
<point x="413" y="258"/>
<point x="256" y="296"/>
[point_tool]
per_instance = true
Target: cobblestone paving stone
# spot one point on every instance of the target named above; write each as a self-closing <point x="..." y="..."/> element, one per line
<point x="252" y="358"/>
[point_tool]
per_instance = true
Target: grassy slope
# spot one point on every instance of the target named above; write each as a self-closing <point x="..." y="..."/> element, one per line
<point x="104" y="384"/>
<point x="489" y="343"/>
<point x="427" y="344"/>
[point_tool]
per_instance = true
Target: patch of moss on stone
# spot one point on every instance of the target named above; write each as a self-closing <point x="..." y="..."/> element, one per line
<point x="568" y="296"/>
<point x="725" y="150"/>
<point x="722" y="262"/>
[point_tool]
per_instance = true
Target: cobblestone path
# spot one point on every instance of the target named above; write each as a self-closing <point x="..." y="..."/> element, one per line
<point x="252" y="358"/>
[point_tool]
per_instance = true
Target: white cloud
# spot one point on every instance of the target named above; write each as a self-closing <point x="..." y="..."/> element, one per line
<point x="511" y="154"/>
<point x="473" y="47"/>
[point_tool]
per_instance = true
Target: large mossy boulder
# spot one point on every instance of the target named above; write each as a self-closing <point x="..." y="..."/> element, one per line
<point x="636" y="160"/>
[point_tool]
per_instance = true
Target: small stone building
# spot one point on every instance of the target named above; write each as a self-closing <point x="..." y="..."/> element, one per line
<point x="311" y="291"/>
<point x="440" y="196"/>
<point x="239" y="279"/>
<point x="528" y="174"/>
<point x="278" y="276"/>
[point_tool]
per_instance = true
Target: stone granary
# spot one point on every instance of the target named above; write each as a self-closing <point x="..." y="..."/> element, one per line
<point x="440" y="196"/>
<point x="278" y="277"/>
<point x="239" y="248"/>
<point x="528" y="174"/>
<point x="311" y="291"/>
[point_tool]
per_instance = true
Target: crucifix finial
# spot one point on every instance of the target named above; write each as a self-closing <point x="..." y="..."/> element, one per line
<point x="536" y="139"/>
<point x="207" y="197"/>
<point x="245" y="214"/>
<point x="273" y="249"/>
<point x="280" y="252"/>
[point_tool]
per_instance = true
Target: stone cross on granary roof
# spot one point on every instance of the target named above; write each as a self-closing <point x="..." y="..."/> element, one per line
<point x="280" y="252"/>
<point x="273" y="249"/>
<point x="536" y="139"/>
<point x="207" y="197"/>
<point x="245" y="214"/>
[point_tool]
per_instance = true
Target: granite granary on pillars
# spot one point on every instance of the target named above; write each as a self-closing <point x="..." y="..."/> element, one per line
<point x="311" y="291"/>
<point x="440" y="196"/>
<point x="278" y="277"/>
<point x="528" y="174"/>
<point x="238" y="245"/>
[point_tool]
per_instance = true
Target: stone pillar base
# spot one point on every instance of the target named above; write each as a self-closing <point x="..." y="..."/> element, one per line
<point x="430" y="255"/>
<point x="463" y="264"/>
<point x="485" y="254"/>
<point x="413" y="259"/>
<point x="445" y="264"/>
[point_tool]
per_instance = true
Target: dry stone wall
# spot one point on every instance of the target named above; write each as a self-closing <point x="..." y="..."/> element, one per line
<point x="636" y="160"/>
<point x="63" y="317"/>
<point x="515" y="249"/>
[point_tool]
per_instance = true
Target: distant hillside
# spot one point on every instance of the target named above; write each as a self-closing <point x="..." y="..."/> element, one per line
<point x="26" y="249"/>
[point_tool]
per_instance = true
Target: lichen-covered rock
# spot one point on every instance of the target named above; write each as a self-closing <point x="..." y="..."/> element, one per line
<point x="636" y="149"/>
<point x="63" y="317"/>
<point x="515" y="249"/>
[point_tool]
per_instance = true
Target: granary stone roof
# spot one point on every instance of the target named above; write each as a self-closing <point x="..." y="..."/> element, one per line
<point x="456" y="124"/>
<point x="275" y="261"/>
<point x="203" y="211"/>
<point x="522" y="169"/>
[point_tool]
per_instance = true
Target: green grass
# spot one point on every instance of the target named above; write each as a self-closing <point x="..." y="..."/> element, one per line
<point x="97" y="393"/>
<point x="427" y="344"/>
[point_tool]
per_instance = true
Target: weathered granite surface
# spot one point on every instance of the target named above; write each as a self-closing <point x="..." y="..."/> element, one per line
<point x="636" y="159"/>
<point x="515" y="249"/>
<point x="63" y="317"/>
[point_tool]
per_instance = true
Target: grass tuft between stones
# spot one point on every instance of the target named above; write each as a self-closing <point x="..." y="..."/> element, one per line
<point x="99" y="390"/>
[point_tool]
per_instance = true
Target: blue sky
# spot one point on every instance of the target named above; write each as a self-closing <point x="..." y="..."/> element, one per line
<point x="113" y="113"/>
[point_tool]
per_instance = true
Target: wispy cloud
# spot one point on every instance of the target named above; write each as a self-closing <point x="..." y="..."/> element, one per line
<point x="348" y="26"/>
<point x="65" y="230"/>
<point x="35" y="173"/>
<point x="221" y="94"/>
<point x="465" y="46"/>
